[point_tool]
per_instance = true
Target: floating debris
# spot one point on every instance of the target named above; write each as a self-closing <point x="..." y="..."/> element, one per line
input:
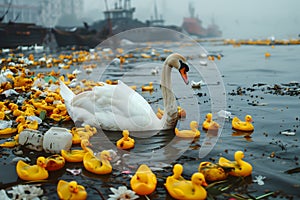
<point x="292" y="171"/>
<point x="255" y="103"/>
<point x="224" y="114"/>
<point x="198" y="84"/>
<point x="203" y="55"/>
<point x="203" y="63"/>
<point x="288" y="132"/>
<point x="155" y="71"/>
<point x="259" y="180"/>
<point x="25" y="191"/>
<point x="5" y="124"/>
<point x="77" y="71"/>
<point x="16" y="159"/>
<point x="74" y="171"/>
<point x="9" y="92"/>
<point x="34" y="118"/>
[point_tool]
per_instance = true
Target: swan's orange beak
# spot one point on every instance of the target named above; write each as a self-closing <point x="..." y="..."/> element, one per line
<point x="183" y="72"/>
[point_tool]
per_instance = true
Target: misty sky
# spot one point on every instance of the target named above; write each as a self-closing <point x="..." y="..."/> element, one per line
<point x="236" y="18"/>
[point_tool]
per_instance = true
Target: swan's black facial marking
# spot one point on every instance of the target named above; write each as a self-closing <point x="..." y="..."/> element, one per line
<point x="184" y="68"/>
<point x="183" y="65"/>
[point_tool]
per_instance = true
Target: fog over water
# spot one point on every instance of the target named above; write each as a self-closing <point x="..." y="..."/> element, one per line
<point x="236" y="18"/>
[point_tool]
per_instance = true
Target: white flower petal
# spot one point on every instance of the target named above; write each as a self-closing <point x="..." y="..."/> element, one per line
<point x="3" y="195"/>
<point x="121" y="192"/>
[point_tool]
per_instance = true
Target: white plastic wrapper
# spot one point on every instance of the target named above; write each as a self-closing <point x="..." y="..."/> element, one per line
<point x="31" y="139"/>
<point x="56" y="139"/>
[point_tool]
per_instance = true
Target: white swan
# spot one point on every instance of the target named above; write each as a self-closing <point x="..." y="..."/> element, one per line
<point x="118" y="107"/>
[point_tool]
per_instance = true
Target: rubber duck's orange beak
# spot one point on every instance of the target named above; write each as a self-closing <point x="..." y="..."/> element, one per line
<point x="75" y="190"/>
<point x="204" y="184"/>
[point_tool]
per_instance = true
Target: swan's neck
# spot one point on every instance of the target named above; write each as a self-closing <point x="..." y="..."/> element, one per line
<point x="170" y="108"/>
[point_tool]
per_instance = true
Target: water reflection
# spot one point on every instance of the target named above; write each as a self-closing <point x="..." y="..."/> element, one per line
<point x="246" y="135"/>
<point x="153" y="149"/>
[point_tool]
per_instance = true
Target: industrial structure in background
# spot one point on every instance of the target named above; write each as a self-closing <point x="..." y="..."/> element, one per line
<point x="193" y="26"/>
<point x="41" y="12"/>
<point x="31" y="22"/>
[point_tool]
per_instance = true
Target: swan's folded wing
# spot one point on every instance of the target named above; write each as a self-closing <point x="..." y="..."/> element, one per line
<point x="82" y="108"/>
<point x="85" y="100"/>
<point x="120" y="107"/>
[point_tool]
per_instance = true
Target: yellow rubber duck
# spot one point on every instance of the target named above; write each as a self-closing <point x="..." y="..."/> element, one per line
<point x="125" y="142"/>
<point x="241" y="168"/>
<point x="60" y="109"/>
<point x="77" y="155"/>
<point x="76" y="139"/>
<point x="7" y="131"/>
<point x="3" y="106"/>
<point x="10" y="144"/>
<point x="32" y="172"/>
<point x="97" y="166"/>
<point x="57" y="117"/>
<point x="24" y="124"/>
<point x="189" y="190"/>
<point x="267" y="54"/>
<point x="133" y="87"/>
<point x="29" y="110"/>
<point x="15" y="108"/>
<point x="159" y="113"/>
<point x="32" y="124"/>
<point x="111" y="82"/>
<point x="242" y="125"/>
<point x="54" y="73"/>
<point x="55" y="162"/>
<point x="2" y="115"/>
<point x="212" y="172"/>
<point x="174" y="179"/>
<point x="86" y="132"/>
<point x="148" y="87"/>
<point x="181" y="112"/>
<point x="42" y="105"/>
<point x="70" y="191"/>
<point x="209" y="124"/>
<point x="194" y="132"/>
<point x="144" y="181"/>
<point x="21" y="80"/>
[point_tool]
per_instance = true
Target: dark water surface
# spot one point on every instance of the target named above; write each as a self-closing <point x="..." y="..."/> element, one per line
<point x="241" y="69"/>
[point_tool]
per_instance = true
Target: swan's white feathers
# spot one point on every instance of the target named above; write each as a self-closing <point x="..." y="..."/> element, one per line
<point x="118" y="107"/>
<point x="66" y="93"/>
<point x="127" y="108"/>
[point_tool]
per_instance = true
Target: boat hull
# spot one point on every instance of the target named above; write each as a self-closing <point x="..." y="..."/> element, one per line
<point x="13" y="35"/>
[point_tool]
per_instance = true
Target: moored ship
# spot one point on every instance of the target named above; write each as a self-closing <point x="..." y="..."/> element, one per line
<point x="193" y="26"/>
